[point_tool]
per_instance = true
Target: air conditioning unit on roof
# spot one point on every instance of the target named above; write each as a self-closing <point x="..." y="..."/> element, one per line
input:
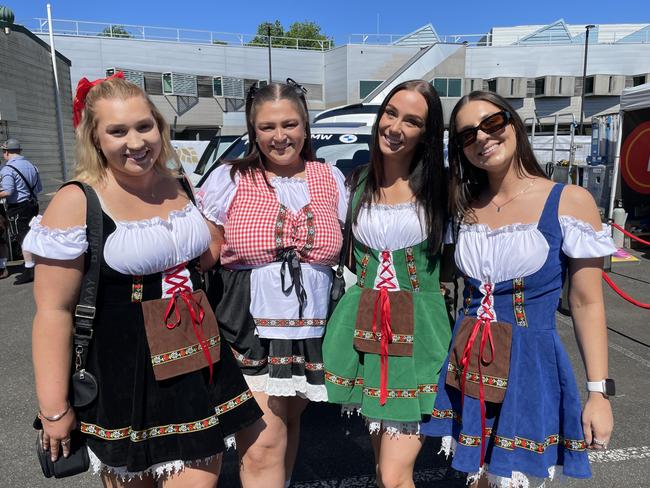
<point x="228" y="87"/>
<point x="604" y="85"/>
<point x="135" y="77"/>
<point x="509" y="87"/>
<point x="555" y="86"/>
<point x="180" y="84"/>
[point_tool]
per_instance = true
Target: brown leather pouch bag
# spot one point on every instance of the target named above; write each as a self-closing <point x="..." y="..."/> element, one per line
<point x="494" y="367"/>
<point x="401" y="322"/>
<point x="182" y="334"/>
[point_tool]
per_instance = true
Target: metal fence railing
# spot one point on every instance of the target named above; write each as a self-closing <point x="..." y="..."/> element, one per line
<point x="171" y="34"/>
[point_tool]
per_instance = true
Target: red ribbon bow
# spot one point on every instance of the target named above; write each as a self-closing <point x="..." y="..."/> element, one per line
<point x="83" y="87"/>
<point x="483" y="325"/>
<point x="181" y="290"/>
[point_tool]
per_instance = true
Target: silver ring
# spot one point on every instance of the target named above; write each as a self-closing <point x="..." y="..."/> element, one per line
<point x="599" y="442"/>
<point x="65" y="442"/>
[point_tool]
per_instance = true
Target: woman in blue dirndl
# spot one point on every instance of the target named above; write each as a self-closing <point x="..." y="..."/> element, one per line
<point x="517" y="236"/>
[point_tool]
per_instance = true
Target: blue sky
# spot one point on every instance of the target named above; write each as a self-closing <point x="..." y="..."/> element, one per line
<point x="339" y="18"/>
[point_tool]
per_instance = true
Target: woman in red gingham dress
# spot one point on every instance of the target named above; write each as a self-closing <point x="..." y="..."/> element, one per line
<point x="278" y="215"/>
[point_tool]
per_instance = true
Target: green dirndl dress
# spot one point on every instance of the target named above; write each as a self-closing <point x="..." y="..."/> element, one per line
<point x="352" y="378"/>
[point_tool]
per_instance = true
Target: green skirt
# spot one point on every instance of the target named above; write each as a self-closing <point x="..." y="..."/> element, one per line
<point x="352" y="378"/>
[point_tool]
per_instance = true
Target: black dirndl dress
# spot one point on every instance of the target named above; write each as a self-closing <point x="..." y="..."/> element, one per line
<point x="137" y="422"/>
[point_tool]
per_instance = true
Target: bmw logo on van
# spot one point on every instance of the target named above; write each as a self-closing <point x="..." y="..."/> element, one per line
<point x="348" y="138"/>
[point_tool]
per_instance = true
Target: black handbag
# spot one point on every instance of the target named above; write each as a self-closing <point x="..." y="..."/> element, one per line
<point x="83" y="385"/>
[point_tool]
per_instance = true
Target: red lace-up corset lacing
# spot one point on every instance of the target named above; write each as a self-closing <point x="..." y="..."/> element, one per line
<point x="179" y="289"/>
<point x="382" y="303"/>
<point x="483" y="325"/>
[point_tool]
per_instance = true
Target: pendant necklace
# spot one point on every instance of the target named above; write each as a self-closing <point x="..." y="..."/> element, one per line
<point x="499" y="207"/>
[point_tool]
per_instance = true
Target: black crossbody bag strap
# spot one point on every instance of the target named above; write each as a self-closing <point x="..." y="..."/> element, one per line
<point x="31" y="188"/>
<point x="347" y="236"/>
<point x="84" y="313"/>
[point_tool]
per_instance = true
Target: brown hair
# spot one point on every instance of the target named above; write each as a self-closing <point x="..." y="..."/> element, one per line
<point x="254" y="159"/>
<point x="91" y="164"/>
<point x="467" y="181"/>
<point x="427" y="178"/>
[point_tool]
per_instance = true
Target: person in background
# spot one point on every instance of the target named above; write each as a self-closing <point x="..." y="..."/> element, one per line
<point x="4" y="250"/>
<point x="279" y="215"/>
<point x="508" y="407"/>
<point x="20" y="184"/>
<point x="388" y="336"/>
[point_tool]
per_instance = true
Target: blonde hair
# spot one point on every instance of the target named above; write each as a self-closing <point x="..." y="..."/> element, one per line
<point x="91" y="164"/>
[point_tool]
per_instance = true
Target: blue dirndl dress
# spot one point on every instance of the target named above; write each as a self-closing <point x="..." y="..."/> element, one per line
<point x="538" y="426"/>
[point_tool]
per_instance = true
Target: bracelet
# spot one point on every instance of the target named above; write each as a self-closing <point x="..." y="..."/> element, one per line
<point x="54" y="418"/>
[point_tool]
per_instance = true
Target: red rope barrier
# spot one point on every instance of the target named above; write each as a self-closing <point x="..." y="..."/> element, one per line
<point x="629" y="234"/>
<point x="623" y="294"/>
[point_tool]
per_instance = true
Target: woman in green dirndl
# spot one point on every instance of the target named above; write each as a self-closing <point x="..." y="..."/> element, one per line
<point x="389" y="334"/>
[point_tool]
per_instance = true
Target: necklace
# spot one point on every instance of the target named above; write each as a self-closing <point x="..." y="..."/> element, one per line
<point x="499" y="207"/>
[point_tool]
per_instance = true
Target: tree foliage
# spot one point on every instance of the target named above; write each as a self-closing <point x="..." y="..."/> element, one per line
<point x="302" y="35"/>
<point x="115" y="31"/>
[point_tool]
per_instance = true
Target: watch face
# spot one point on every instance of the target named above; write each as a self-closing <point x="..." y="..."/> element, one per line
<point x="610" y="388"/>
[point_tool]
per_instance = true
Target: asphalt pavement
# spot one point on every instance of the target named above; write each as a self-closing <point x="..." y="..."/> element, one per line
<point x="335" y="451"/>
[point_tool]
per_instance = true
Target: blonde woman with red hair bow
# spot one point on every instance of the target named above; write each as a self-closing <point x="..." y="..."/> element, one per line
<point x="142" y="429"/>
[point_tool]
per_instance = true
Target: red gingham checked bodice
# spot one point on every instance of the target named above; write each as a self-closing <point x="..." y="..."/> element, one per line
<point x="258" y="226"/>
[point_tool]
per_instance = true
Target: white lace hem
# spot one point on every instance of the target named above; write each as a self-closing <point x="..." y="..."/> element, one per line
<point x="157" y="470"/>
<point x="393" y="428"/>
<point x="287" y="387"/>
<point x="516" y="480"/>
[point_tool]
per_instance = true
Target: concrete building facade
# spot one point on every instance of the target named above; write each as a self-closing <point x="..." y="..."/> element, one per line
<point x="538" y="68"/>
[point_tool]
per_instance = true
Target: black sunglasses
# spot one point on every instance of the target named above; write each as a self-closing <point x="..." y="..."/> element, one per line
<point x="489" y="125"/>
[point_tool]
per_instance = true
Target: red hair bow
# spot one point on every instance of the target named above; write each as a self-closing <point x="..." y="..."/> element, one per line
<point x="83" y="87"/>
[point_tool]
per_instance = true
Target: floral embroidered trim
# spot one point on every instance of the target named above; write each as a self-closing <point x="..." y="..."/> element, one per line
<point x="311" y="231"/>
<point x="290" y="322"/>
<point x="575" y="444"/>
<point x="341" y="381"/>
<point x="445" y="414"/>
<point x="279" y="227"/>
<point x="314" y="366"/>
<point x="518" y="301"/>
<point x="143" y="435"/>
<point x="402" y="392"/>
<point x="136" y="289"/>
<point x="493" y="381"/>
<point x="185" y="352"/>
<point x="244" y="361"/>
<point x="410" y="265"/>
<point x="468" y="299"/>
<point x="364" y="268"/>
<point x="234" y="402"/>
<point x="286" y="360"/>
<point x="517" y="442"/>
<point x="472" y="440"/>
<point x="368" y="335"/>
<point x="539" y="447"/>
<point x="280" y="360"/>
<point x="428" y="388"/>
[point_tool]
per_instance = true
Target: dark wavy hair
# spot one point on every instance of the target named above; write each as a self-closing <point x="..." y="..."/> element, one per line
<point x="427" y="176"/>
<point x="253" y="161"/>
<point x="467" y="181"/>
